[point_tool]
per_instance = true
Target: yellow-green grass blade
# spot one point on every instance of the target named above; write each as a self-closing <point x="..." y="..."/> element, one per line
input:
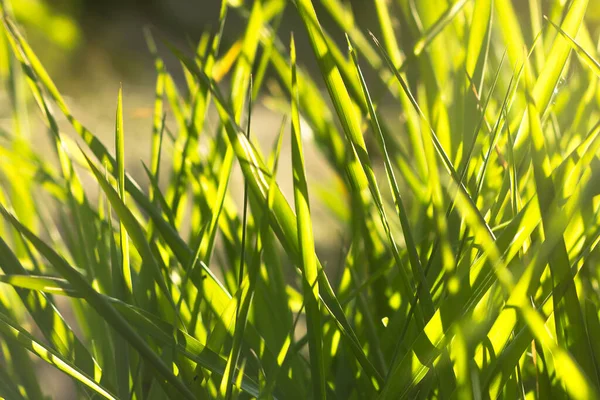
<point x="507" y="20"/>
<point x="439" y="22"/>
<point x="422" y="352"/>
<point x="568" y="371"/>
<point x="267" y="49"/>
<point x="529" y="282"/>
<point x="45" y="284"/>
<point x="158" y="118"/>
<point x="476" y="62"/>
<point x="99" y="150"/>
<point x="102" y="307"/>
<point x="82" y="248"/>
<point x="344" y="17"/>
<point x="535" y="15"/>
<point x="13" y="332"/>
<point x="523" y="339"/>
<point x="308" y="261"/>
<point x="434" y="185"/>
<point x="434" y="138"/>
<point x="318" y="115"/>
<point x="120" y="146"/>
<point x="573" y="203"/>
<point x="518" y="301"/>
<point x="158" y="196"/>
<point x="393" y="49"/>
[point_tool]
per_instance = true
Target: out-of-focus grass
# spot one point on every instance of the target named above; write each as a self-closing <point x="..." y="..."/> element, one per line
<point x="469" y="266"/>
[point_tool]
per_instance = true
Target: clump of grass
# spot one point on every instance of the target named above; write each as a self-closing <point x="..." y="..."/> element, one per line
<point x="470" y="268"/>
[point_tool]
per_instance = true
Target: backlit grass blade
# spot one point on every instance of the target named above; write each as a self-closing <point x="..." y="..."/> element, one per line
<point x="180" y="249"/>
<point x="120" y="346"/>
<point x="120" y="146"/>
<point x="241" y="79"/>
<point x="46" y="284"/>
<point x="306" y="245"/>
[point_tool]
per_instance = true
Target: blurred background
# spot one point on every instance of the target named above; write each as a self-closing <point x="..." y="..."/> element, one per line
<point x="90" y="47"/>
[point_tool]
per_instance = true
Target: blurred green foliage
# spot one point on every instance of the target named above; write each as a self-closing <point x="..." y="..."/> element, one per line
<point x="46" y="19"/>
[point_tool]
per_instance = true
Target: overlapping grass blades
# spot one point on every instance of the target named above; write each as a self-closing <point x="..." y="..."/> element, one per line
<point x="468" y="267"/>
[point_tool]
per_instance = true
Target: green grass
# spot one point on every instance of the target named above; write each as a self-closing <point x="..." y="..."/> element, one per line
<point x="469" y="266"/>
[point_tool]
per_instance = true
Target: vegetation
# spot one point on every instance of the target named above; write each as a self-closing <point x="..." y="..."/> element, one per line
<point x="470" y="264"/>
